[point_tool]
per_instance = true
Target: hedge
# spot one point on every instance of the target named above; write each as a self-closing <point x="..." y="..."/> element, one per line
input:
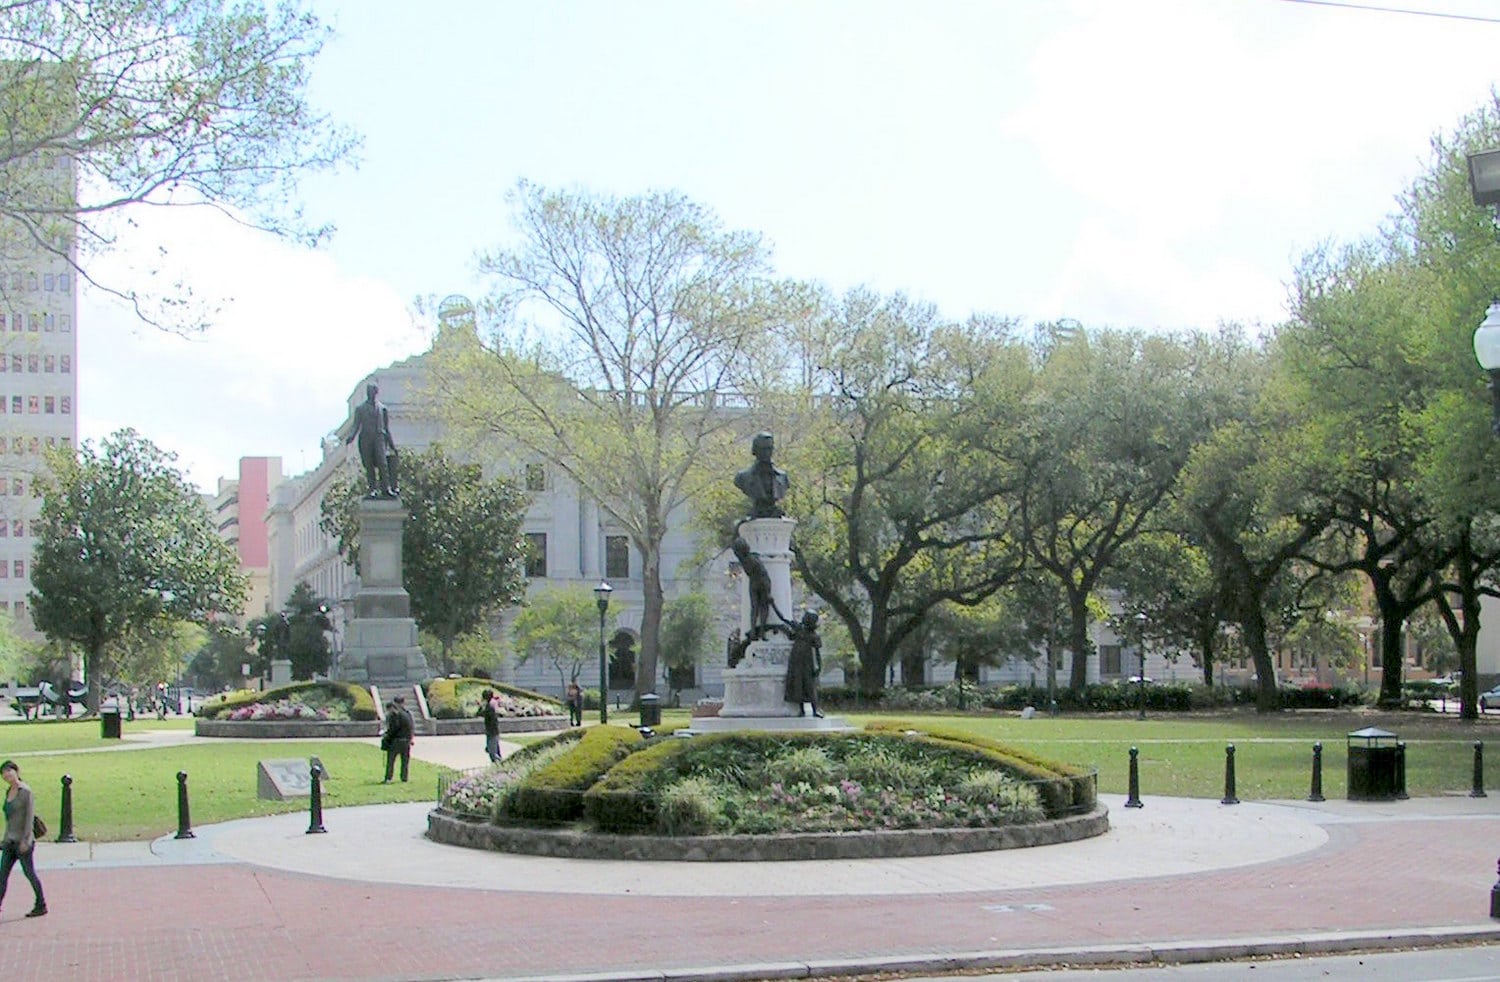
<point x="449" y="698"/>
<point x="619" y="803"/>
<point x="554" y="792"/>
<point x="361" y="704"/>
<point x="1101" y="697"/>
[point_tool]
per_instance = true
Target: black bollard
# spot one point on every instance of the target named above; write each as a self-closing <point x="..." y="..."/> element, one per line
<point x="1401" y="794"/>
<point x="1478" y="790"/>
<point x="1229" y="798"/>
<point x="1133" y="800"/>
<point x="184" y="823"/>
<point x="1316" y="794"/>
<point x="65" y="822"/>
<point x="316" y="823"/>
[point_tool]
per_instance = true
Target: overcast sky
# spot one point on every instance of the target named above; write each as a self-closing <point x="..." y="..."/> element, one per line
<point x="1134" y="163"/>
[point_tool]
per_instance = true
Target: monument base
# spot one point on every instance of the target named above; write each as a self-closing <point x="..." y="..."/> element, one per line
<point x="381" y="647"/>
<point x="768" y="724"/>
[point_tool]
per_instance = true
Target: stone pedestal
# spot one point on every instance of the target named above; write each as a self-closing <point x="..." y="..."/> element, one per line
<point x="754" y="689"/>
<point x="381" y="644"/>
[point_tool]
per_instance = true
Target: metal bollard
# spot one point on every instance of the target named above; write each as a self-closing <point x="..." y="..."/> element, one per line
<point x="1316" y="794"/>
<point x="1478" y="791"/>
<point x="184" y="823"/>
<point x="1229" y="798"/>
<point x="1134" y="798"/>
<point x="316" y="802"/>
<point x="1401" y="794"/>
<point x="65" y="822"/>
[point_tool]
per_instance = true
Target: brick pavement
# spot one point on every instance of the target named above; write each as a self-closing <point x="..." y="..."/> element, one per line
<point x="240" y="921"/>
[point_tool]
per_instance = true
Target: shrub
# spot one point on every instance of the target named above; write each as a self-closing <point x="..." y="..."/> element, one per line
<point x="689" y="807"/>
<point x="806" y="765"/>
<point x="988" y="787"/>
<point x="554" y="792"/>
<point x="879" y="767"/>
<point x="621" y="801"/>
<point x="481" y="795"/>
<point x="459" y="698"/>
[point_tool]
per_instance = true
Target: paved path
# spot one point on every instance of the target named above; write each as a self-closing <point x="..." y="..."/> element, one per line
<point x="372" y="899"/>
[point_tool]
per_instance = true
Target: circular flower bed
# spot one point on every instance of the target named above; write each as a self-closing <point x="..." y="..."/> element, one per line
<point x="459" y="699"/>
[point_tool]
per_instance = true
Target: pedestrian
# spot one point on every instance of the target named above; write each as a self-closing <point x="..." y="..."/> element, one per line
<point x="491" y="714"/>
<point x="400" y="733"/>
<point x="575" y="704"/>
<point x="20" y="835"/>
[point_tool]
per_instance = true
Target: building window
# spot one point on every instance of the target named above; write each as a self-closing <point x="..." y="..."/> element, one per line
<point x="31" y="323"/>
<point x="617" y="557"/>
<point x="18" y="528"/>
<point x="33" y="404"/>
<point x="18" y="487"/>
<point x="65" y="364"/>
<point x="65" y="282"/>
<point x="16" y="363"/>
<point x="20" y="609"/>
<point x="4" y="571"/>
<point x="49" y="282"/>
<point x="31" y="282"/>
<point x="4" y="488"/>
<point x="1109" y="659"/>
<point x="65" y="323"/>
<point x="67" y="441"/>
<point x="15" y="406"/>
<point x="536" y="555"/>
<point x="49" y="364"/>
<point x="50" y="324"/>
<point x="33" y="363"/>
<point x="67" y="405"/>
<point x="34" y="445"/>
<point x="20" y="569"/>
<point x="49" y="405"/>
<point x="536" y="477"/>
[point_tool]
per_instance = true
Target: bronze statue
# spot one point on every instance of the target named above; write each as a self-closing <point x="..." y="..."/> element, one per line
<point x="804" y="665"/>
<point x="377" y="451"/>
<point x="763" y="482"/>
<point x="759" y="581"/>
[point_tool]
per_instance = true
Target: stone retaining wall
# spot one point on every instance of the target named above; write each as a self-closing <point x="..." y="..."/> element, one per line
<point x="508" y="724"/>
<point x="287" y="729"/>
<point x="450" y="829"/>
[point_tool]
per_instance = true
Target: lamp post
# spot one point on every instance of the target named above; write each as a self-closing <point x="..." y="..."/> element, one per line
<point x="1140" y="624"/>
<point x="1484" y="183"/>
<point x="602" y="592"/>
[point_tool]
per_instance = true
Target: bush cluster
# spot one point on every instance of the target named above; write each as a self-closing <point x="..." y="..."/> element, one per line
<point x="554" y="792"/>
<point x="321" y="700"/>
<point x="1103" y="697"/>
<point x="459" y="699"/>
<point x="482" y="795"/>
<point x="764" y="783"/>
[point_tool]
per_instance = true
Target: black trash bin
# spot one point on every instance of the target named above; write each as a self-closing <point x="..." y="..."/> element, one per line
<point x="109" y="724"/>
<point x="650" y="709"/>
<point x="1374" y="766"/>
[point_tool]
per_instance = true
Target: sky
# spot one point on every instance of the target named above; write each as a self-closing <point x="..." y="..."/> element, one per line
<point x="1154" y="164"/>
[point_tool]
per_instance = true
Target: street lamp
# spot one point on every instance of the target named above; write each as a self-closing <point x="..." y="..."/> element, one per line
<point x="602" y="591"/>
<point x="1484" y="184"/>
<point x="1140" y="624"/>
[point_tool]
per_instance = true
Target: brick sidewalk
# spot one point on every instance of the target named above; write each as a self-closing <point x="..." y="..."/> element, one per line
<point x="235" y="921"/>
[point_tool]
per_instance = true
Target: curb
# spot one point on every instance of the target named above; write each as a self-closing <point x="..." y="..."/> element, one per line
<point x="1144" y="953"/>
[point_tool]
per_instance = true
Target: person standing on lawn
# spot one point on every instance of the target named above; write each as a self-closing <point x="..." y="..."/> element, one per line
<point x="491" y="716"/>
<point x="400" y="732"/>
<point x="20" y="839"/>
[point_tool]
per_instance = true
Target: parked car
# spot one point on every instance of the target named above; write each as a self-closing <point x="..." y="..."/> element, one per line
<point x="1490" y="699"/>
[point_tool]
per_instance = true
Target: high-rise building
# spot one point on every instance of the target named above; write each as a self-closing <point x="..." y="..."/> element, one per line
<point x="38" y="353"/>
<point x="239" y="508"/>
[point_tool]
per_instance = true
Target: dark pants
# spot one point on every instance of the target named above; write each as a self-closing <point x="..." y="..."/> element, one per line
<point x="402" y="749"/>
<point x="8" y="857"/>
<point x="575" y="713"/>
<point x="492" y="747"/>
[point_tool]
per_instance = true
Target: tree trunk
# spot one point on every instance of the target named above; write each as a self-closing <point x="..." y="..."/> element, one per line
<point x="1392" y="659"/>
<point x="1267" y="699"/>
<point x="1078" y="639"/>
<point x="651" y="605"/>
<point x="91" y="667"/>
<point x="874" y="657"/>
<point x="1206" y="650"/>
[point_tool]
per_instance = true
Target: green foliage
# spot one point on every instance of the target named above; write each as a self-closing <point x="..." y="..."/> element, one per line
<point x="361" y="706"/>
<point x="560" y="626"/>
<point x="125" y="544"/>
<point x="554" y="793"/>
<point x="484" y="795"/>
<point x="687" y="627"/>
<point x="690" y="806"/>
<point x="462" y="546"/>
<point x="459" y="699"/>
<point x="161" y="102"/>
<point x="296" y="634"/>
<point x="808" y="764"/>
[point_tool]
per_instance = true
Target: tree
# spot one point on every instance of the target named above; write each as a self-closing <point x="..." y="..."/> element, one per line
<point x="903" y="506"/>
<point x="125" y="542"/>
<point x="462" y="546"/>
<point x="298" y="633"/>
<point x="559" y="627"/>
<point x="1108" y="430"/>
<point x="154" y="102"/>
<point x="687" y="626"/>
<point x="219" y="663"/>
<point x="650" y="309"/>
<point x="157" y="653"/>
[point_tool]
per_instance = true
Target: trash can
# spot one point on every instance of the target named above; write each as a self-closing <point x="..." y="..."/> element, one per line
<point x="109" y="724"/>
<point x="650" y="709"/>
<point x="1373" y="767"/>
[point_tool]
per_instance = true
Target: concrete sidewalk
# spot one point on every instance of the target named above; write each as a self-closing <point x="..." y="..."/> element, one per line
<point x="372" y="899"/>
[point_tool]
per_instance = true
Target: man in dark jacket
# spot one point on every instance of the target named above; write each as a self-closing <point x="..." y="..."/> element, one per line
<point x="400" y="730"/>
<point x="491" y="725"/>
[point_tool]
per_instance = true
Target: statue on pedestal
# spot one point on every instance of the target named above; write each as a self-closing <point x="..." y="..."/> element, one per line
<point x="377" y="451"/>
<point x="804" y="665"/>
<point x="759" y="581"/>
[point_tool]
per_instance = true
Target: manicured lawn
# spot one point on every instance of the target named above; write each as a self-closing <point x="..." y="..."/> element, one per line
<point x="21" y="737"/>
<point x="133" y="794"/>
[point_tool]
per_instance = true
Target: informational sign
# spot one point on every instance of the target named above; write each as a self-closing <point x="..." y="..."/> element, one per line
<point x="278" y="780"/>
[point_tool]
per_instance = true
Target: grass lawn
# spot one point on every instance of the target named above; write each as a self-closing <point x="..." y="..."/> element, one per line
<point x="133" y="794"/>
<point x="21" y="737"/>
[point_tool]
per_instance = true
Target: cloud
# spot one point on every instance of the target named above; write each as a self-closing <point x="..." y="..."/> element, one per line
<point x="292" y="337"/>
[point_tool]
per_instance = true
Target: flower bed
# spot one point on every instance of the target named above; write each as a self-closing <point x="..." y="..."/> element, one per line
<point x="459" y="699"/>
<point x="302" y="709"/>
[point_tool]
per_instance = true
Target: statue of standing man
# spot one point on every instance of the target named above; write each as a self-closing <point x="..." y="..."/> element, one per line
<point x="763" y="482"/>
<point x="377" y="451"/>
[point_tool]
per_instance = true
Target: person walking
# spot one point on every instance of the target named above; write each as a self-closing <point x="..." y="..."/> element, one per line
<point x="20" y="836"/>
<point x="400" y="732"/>
<point x="575" y="704"/>
<point x="491" y="715"/>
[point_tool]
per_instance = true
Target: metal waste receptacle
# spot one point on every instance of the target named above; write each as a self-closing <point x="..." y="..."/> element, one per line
<point x="1374" y="767"/>
<point x="650" y="709"/>
<point x="109" y="724"/>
